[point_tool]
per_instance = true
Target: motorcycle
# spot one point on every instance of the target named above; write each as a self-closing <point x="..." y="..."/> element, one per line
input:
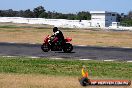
<point x="57" y="45"/>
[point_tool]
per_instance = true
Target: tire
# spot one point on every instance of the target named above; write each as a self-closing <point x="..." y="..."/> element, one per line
<point x="85" y="81"/>
<point x="67" y="48"/>
<point x="45" y="47"/>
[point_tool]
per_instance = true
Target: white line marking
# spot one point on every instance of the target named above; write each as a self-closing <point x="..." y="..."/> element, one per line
<point x="129" y="61"/>
<point x="32" y="43"/>
<point x="20" y="56"/>
<point x="8" y="56"/>
<point x="85" y="59"/>
<point x="108" y="60"/>
<point x="57" y="58"/>
<point x="12" y="42"/>
<point x="81" y="45"/>
<point x="127" y="47"/>
<point x="33" y="57"/>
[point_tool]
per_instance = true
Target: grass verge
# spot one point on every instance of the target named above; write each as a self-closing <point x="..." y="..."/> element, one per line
<point x="23" y="65"/>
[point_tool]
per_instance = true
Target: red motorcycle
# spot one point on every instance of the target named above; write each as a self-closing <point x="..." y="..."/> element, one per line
<point x="57" y="45"/>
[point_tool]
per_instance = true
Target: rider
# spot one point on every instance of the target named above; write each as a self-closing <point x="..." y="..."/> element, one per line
<point x="57" y="36"/>
<point x="84" y="73"/>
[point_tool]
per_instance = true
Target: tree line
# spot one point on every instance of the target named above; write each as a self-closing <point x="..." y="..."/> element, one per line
<point x="40" y="12"/>
<point x="126" y="20"/>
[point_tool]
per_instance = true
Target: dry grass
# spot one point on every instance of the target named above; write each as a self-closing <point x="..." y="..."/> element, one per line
<point x="43" y="81"/>
<point x="37" y="81"/>
<point x="22" y="35"/>
<point x="103" y="38"/>
<point x="35" y="34"/>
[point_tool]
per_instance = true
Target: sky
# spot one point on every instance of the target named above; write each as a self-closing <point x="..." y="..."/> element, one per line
<point x="69" y="6"/>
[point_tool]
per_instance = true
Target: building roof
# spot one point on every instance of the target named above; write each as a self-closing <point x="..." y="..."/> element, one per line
<point x="92" y="12"/>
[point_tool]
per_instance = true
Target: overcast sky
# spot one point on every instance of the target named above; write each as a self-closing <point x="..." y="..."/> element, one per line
<point x="69" y="6"/>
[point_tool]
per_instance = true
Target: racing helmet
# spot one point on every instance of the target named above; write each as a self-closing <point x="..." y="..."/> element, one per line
<point x="55" y="29"/>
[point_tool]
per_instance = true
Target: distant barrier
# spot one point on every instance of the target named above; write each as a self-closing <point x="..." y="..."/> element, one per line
<point x="58" y="22"/>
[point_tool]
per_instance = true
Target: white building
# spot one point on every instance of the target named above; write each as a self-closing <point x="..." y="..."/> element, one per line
<point x="102" y="18"/>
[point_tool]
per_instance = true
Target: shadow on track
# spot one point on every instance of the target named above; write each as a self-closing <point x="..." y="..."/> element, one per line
<point x="64" y="52"/>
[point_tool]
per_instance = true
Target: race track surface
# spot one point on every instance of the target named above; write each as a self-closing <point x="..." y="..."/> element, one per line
<point x="79" y="52"/>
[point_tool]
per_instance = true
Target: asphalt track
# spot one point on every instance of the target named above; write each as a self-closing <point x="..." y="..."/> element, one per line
<point x="79" y="52"/>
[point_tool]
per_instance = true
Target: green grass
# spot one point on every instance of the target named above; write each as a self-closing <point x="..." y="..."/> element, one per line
<point x="23" y="65"/>
<point x="17" y="26"/>
<point x="8" y="26"/>
<point x="14" y="25"/>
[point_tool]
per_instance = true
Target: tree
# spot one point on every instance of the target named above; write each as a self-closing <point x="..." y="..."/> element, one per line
<point x="49" y="14"/>
<point x="130" y="14"/>
<point x="71" y="16"/>
<point x="118" y="19"/>
<point x="20" y="13"/>
<point x="38" y="10"/>
<point x="28" y="13"/>
<point x="10" y="13"/>
<point x="83" y="15"/>
<point x="2" y="13"/>
<point x="43" y="15"/>
<point x="127" y="19"/>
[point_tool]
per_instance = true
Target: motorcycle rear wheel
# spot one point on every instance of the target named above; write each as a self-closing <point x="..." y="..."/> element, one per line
<point x="67" y="48"/>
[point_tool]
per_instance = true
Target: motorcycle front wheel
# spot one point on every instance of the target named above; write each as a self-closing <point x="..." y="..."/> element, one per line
<point x="45" y="47"/>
